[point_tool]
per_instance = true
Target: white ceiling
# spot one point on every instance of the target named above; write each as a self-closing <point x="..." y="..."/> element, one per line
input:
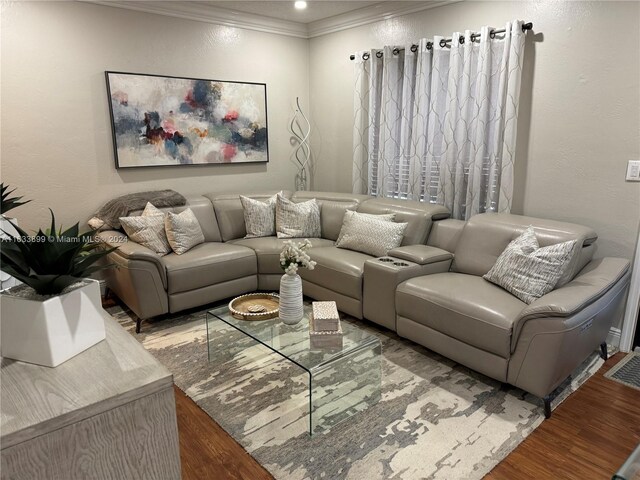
<point x="284" y="10"/>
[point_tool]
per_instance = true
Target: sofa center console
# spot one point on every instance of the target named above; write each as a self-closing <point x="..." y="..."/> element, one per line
<point x="382" y="276"/>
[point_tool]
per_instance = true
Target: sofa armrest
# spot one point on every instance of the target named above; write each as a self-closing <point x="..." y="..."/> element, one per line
<point x="421" y="254"/>
<point x="130" y="250"/>
<point x="598" y="277"/>
<point x="591" y="284"/>
<point x="557" y="332"/>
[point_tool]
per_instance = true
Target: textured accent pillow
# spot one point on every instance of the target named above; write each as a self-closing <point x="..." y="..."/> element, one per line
<point x="183" y="231"/>
<point x="148" y="229"/>
<point x="370" y="234"/>
<point x="259" y="216"/>
<point x="348" y="215"/>
<point x="295" y="220"/>
<point x="528" y="271"/>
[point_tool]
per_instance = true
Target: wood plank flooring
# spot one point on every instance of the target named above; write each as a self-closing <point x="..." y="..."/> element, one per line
<point x="588" y="437"/>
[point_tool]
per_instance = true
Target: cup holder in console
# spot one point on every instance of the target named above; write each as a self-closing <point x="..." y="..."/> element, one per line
<point x="401" y="264"/>
<point x="385" y="259"/>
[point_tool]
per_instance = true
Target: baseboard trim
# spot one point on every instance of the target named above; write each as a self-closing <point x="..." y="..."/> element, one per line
<point x="613" y="337"/>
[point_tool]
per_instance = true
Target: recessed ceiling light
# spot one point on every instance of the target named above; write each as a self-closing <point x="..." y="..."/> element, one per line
<point x="300" y="4"/>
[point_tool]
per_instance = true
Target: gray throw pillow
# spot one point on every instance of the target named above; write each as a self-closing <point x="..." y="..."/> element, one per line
<point x="528" y="271"/>
<point x="372" y="234"/>
<point x="183" y="231"/>
<point x="297" y="220"/>
<point x="259" y="216"/>
<point x="148" y="229"/>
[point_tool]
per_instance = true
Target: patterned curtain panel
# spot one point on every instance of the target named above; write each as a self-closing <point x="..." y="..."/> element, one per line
<point x="439" y="125"/>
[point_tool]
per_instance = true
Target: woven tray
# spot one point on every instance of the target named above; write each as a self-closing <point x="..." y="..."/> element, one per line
<point x="247" y="307"/>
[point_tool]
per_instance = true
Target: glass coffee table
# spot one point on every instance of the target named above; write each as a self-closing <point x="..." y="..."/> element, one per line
<point x="344" y="376"/>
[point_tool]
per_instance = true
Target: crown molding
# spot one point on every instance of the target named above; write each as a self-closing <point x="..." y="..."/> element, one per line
<point x="204" y="12"/>
<point x="371" y="14"/>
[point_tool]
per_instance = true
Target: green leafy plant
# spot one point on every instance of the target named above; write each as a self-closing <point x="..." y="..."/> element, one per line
<point x="50" y="262"/>
<point x="9" y="203"/>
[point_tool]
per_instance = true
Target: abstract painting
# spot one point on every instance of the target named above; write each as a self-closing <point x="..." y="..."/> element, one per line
<point x="164" y="121"/>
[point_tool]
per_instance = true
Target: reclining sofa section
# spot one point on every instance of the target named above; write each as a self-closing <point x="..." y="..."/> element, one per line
<point x="429" y="290"/>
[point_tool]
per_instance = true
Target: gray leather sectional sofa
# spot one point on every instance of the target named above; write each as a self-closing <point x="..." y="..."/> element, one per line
<point x="429" y="290"/>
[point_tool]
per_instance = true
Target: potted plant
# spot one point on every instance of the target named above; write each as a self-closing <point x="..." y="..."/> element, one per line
<point x="56" y="313"/>
<point x="6" y="225"/>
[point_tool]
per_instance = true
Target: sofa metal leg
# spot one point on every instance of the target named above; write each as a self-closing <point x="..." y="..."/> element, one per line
<point x="603" y="351"/>
<point x="547" y="406"/>
<point x="138" y="322"/>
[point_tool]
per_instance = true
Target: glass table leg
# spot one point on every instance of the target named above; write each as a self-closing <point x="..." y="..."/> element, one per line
<point x="345" y="386"/>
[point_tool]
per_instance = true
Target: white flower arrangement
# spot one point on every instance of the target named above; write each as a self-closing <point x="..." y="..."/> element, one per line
<point x="294" y="255"/>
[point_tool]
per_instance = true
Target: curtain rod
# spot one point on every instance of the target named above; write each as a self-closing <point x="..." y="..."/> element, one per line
<point x="444" y="42"/>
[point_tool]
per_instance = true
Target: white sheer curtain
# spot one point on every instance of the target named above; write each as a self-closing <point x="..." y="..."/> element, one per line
<point x="439" y="124"/>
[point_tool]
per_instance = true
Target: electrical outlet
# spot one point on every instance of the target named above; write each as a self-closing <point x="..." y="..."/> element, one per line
<point x="633" y="171"/>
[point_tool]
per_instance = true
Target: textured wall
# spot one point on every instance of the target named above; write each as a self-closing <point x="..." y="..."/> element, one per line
<point x="56" y="132"/>
<point x="579" y="117"/>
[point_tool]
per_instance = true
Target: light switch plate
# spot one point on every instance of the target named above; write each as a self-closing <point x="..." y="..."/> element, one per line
<point x="633" y="171"/>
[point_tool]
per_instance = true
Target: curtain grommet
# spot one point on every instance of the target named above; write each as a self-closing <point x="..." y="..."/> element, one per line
<point x="461" y="39"/>
<point x="443" y="43"/>
<point x="365" y="56"/>
<point x="396" y="51"/>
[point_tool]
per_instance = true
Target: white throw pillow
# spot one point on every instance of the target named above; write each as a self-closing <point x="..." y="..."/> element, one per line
<point x="259" y="216"/>
<point x="528" y="271"/>
<point x="183" y="231"/>
<point x="297" y="220"/>
<point x="148" y="229"/>
<point x="372" y="234"/>
<point x="389" y="217"/>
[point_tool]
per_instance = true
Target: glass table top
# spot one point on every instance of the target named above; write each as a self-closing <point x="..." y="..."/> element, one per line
<point x="294" y="342"/>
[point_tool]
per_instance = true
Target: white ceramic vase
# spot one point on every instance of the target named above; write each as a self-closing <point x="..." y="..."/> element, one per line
<point x="291" y="308"/>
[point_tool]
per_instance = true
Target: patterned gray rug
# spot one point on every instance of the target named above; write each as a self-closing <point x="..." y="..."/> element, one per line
<point x="436" y="419"/>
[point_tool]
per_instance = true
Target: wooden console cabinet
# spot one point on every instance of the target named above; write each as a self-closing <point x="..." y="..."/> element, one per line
<point x="107" y="413"/>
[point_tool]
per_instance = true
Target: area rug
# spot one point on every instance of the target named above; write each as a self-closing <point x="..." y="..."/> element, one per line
<point x="436" y="419"/>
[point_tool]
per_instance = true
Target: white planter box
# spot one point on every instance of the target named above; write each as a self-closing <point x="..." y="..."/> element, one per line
<point x="51" y="332"/>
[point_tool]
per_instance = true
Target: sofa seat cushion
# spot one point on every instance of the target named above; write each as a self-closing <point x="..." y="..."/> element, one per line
<point x="465" y="307"/>
<point x="268" y="251"/>
<point x="337" y="269"/>
<point x="207" y="264"/>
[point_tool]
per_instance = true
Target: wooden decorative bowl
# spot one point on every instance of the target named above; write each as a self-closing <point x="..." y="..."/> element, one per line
<point x="255" y="306"/>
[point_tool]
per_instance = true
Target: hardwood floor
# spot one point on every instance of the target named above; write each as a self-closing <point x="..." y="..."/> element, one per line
<point x="588" y="437"/>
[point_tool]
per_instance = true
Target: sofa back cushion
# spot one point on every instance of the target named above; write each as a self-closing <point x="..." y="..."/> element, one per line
<point x="418" y="215"/>
<point x="203" y="210"/>
<point x="230" y="214"/>
<point x="485" y="237"/>
<point x="332" y="208"/>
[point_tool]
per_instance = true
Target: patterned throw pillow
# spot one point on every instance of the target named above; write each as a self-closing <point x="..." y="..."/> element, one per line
<point x="296" y="220"/>
<point x="259" y="216"/>
<point x="528" y="271"/>
<point x="388" y="217"/>
<point x="148" y="229"/>
<point x="372" y="234"/>
<point x="183" y="231"/>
